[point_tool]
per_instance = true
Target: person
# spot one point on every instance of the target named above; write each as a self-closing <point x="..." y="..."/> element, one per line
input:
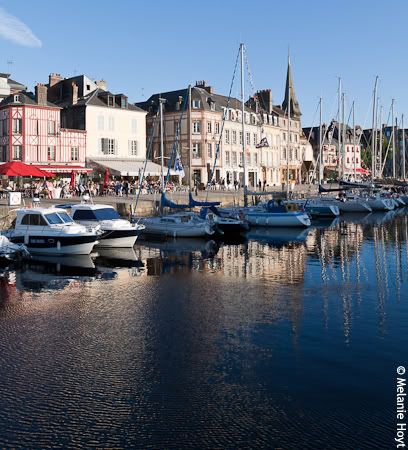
<point x="264" y="185"/>
<point x="259" y="184"/>
<point x="126" y="188"/>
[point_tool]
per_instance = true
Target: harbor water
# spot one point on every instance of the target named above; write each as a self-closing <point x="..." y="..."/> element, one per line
<point x="287" y="340"/>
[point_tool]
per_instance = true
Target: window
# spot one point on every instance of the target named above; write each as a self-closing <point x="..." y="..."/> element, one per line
<point x="17" y="152"/>
<point x="33" y="219"/>
<point x="108" y="146"/>
<point x="234" y="137"/>
<point x="255" y="158"/>
<point x="196" y="127"/>
<point x="17" y="126"/>
<point x="51" y="127"/>
<point x="241" y="159"/>
<point x="234" y="158"/>
<point x="196" y="104"/>
<point x="227" y="136"/>
<point x="3" y="127"/>
<point x="217" y="127"/>
<point x="356" y="160"/>
<point x="296" y="153"/>
<point x="255" y="139"/>
<point x="101" y="123"/>
<point x="53" y="219"/>
<point x="209" y="150"/>
<point x="212" y="106"/>
<point x="348" y="160"/>
<point x="209" y="127"/>
<point x="227" y="158"/>
<point x="37" y="127"/>
<point x="284" y="137"/>
<point x="88" y="87"/>
<point x="240" y="137"/>
<point x="196" y="150"/>
<point x="133" y="148"/>
<point x="74" y="154"/>
<point x="51" y="153"/>
<point x="296" y="137"/>
<point x="111" y="101"/>
<point x="3" y="152"/>
<point x="291" y="154"/>
<point x="248" y="138"/>
<point x="284" y="153"/>
<point x="111" y="123"/>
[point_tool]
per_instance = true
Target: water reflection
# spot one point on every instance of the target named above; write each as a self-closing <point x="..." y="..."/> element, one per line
<point x="200" y="344"/>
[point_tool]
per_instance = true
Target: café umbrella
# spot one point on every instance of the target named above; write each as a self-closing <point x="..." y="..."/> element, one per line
<point x="19" y="169"/>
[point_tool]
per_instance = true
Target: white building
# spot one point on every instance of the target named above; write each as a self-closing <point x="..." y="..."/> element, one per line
<point x="116" y="129"/>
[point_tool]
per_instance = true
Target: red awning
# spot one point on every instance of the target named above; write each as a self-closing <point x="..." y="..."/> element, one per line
<point x="19" y="169"/>
<point x="65" y="169"/>
<point x="363" y="171"/>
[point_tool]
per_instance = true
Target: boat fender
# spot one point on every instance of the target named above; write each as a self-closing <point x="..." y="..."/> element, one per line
<point x="26" y="239"/>
<point x="58" y="245"/>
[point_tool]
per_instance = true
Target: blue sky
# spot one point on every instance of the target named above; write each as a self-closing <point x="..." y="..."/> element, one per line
<point x="145" y="47"/>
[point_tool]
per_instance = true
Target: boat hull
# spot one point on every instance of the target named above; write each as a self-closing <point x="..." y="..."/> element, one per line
<point x="118" y="238"/>
<point x="378" y="204"/>
<point x="323" y="210"/>
<point x="267" y="219"/>
<point x="57" y="245"/>
<point x="351" y="206"/>
<point x="154" y="228"/>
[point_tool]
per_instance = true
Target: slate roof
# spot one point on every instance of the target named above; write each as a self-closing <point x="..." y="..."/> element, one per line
<point x="25" y="98"/>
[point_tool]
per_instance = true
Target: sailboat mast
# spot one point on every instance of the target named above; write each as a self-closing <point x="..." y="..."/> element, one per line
<point x="380" y="144"/>
<point x="343" y="138"/>
<point x="393" y="140"/>
<point x="288" y="140"/>
<point x="243" y="114"/>
<point x="190" y="141"/>
<point x="339" y="154"/>
<point x="354" y="144"/>
<point x="161" y="101"/>
<point x="321" y="167"/>
<point x="403" y="147"/>
<point x="373" y="133"/>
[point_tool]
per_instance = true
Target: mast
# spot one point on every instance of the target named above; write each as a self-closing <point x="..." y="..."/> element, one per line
<point x="403" y="147"/>
<point x="190" y="141"/>
<point x="380" y="144"/>
<point x="393" y="140"/>
<point x="343" y="139"/>
<point x="354" y="144"/>
<point x="373" y="133"/>
<point x="243" y="114"/>
<point x="161" y="101"/>
<point x="321" y="167"/>
<point x="288" y="141"/>
<point x="340" y="161"/>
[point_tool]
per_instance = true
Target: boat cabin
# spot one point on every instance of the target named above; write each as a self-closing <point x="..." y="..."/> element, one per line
<point x="41" y="217"/>
<point x="94" y="213"/>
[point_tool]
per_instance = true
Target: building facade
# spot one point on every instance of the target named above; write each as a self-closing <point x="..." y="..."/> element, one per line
<point x="9" y="86"/>
<point x="116" y="129"/>
<point x="31" y="132"/>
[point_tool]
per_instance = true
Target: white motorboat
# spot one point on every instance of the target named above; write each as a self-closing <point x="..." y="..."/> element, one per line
<point x="349" y="204"/>
<point x="184" y="224"/>
<point x="116" y="232"/>
<point x="51" y="231"/>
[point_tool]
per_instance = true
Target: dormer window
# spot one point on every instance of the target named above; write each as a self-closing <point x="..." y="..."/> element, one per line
<point x="111" y="100"/>
<point x="196" y="104"/>
<point x="17" y="99"/>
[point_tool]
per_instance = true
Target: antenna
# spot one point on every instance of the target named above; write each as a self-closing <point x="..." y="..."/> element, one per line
<point x="10" y="62"/>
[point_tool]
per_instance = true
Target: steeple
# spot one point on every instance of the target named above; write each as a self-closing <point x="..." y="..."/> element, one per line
<point x="294" y="104"/>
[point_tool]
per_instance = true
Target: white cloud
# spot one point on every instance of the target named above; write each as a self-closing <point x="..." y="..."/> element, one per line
<point x="14" y="30"/>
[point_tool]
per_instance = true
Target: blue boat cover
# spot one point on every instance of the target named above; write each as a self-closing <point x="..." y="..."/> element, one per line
<point x="193" y="202"/>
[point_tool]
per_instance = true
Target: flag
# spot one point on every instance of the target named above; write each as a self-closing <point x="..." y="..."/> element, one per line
<point x="263" y="143"/>
<point x="178" y="167"/>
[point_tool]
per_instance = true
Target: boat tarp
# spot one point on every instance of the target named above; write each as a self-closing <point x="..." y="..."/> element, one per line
<point x="165" y="202"/>
<point x="193" y="202"/>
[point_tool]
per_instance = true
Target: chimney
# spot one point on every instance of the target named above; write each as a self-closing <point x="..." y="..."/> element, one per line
<point x="54" y="78"/>
<point x="41" y="94"/>
<point x="102" y="85"/>
<point x="203" y="85"/>
<point x="265" y="100"/>
<point x="74" y="93"/>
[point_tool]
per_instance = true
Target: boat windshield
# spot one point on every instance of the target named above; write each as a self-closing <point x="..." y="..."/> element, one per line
<point x="106" y="214"/>
<point x="65" y="217"/>
<point x="53" y="219"/>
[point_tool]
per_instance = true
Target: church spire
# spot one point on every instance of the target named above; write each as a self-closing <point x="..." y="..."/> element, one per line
<point x="294" y="104"/>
